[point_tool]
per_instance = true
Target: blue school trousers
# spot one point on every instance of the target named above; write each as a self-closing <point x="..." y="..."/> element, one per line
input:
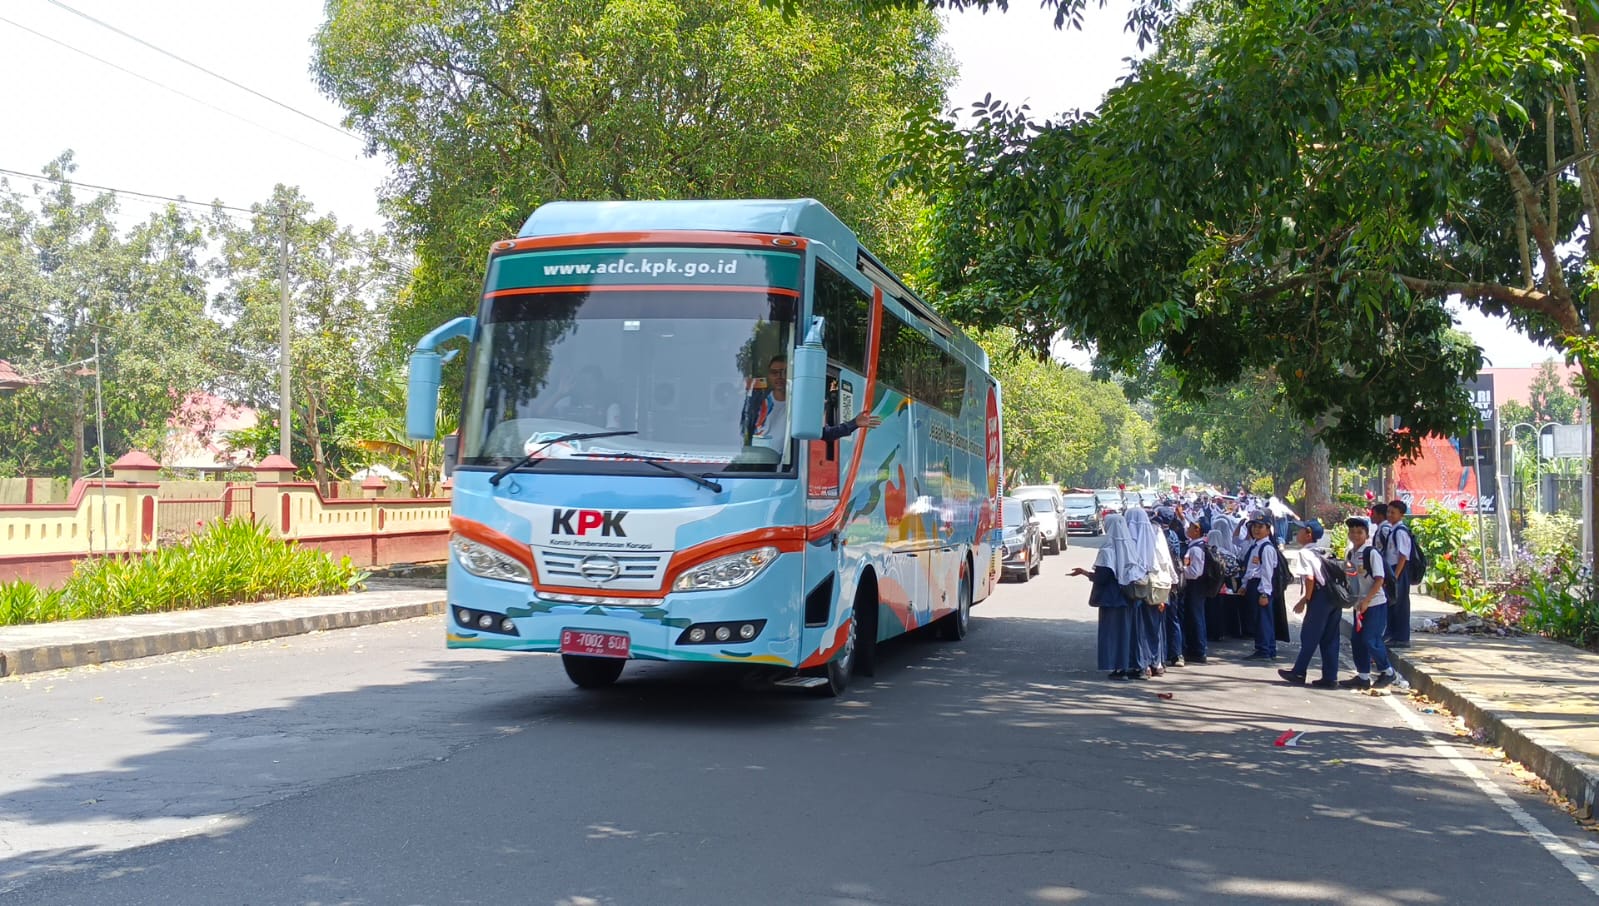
<point x="1366" y="643"/>
<point x="1320" y="632"/>
<point x="1265" y="620"/>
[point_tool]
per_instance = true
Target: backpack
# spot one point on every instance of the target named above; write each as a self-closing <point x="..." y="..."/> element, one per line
<point x="1416" y="565"/>
<point x="1210" y="581"/>
<point x="1337" y="581"/>
<point x="1279" y="575"/>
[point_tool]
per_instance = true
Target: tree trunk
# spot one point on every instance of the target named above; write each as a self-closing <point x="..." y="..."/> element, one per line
<point x="1590" y="384"/>
<point x="1318" y="483"/>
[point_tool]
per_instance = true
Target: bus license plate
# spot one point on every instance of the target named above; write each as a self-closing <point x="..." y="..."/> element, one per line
<point x="595" y="644"/>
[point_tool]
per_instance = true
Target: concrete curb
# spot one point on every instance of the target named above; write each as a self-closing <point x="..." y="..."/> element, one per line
<point x="1571" y="774"/>
<point x="34" y="659"/>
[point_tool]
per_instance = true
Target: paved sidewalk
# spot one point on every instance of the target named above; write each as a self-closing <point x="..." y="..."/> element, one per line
<point x="52" y="646"/>
<point x="1536" y="699"/>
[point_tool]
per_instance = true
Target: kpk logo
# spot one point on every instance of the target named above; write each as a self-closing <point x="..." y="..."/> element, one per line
<point x="582" y="522"/>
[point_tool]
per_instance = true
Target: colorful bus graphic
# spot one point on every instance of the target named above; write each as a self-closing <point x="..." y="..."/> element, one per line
<point x="663" y="453"/>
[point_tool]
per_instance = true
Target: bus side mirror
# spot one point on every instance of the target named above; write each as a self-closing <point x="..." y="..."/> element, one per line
<point x="808" y="386"/>
<point x="422" y="395"/>
<point x="427" y="372"/>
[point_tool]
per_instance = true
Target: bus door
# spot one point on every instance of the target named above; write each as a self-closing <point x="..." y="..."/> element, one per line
<point x="827" y="467"/>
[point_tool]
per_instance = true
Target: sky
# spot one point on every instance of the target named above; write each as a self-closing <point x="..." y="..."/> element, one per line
<point x="204" y="140"/>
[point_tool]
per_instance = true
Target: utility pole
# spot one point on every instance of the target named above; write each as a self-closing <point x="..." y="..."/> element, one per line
<point x="283" y="332"/>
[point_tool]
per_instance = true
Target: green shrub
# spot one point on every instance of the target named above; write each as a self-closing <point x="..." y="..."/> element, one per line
<point x="231" y="562"/>
<point x="1338" y="539"/>
<point x="1445" y="535"/>
<point x="1560" y="604"/>
<point x="1552" y="535"/>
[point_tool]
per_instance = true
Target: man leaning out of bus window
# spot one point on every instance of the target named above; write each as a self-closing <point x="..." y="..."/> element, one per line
<point x="766" y="412"/>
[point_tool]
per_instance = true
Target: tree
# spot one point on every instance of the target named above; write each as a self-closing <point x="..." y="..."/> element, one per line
<point x="490" y="108"/>
<point x="1242" y="431"/>
<point x="1061" y="425"/>
<point x="1550" y="400"/>
<point x="342" y="284"/>
<point x="1299" y="185"/>
<point x="68" y="281"/>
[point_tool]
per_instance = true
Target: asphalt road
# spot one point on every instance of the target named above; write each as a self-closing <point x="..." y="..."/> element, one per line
<point x="372" y="766"/>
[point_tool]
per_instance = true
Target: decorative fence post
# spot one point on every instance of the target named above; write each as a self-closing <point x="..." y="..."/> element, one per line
<point x="134" y="475"/>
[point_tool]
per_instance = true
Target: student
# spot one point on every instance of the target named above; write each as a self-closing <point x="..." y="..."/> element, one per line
<point x="1115" y="570"/>
<point x="1189" y="633"/>
<point x="1364" y="567"/>
<point x="1260" y="569"/>
<point x="1401" y="546"/>
<point x="1154" y="559"/>
<point x="1323" y="616"/>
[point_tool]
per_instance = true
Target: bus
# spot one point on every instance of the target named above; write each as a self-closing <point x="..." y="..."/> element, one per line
<point x="662" y="451"/>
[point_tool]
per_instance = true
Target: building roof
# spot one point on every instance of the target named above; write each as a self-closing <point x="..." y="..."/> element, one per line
<point x="197" y="434"/>
<point x="11" y="379"/>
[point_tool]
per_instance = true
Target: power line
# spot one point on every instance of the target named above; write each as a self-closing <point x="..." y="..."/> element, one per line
<point x="115" y="191"/>
<point x="264" y="211"/>
<point x="165" y="87"/>
<point x="215" y="75"/>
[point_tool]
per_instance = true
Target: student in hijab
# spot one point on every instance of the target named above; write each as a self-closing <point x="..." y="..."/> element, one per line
<point x="1149" y="547"/>
<point x="1115" y="571"/>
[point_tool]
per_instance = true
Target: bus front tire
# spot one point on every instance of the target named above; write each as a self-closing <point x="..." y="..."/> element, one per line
<point x="592" y="672"/>
<point x="839" y="670"/>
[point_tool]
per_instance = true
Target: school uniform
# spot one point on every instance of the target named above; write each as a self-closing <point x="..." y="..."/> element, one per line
<point x="1366" y="570"/>
<point x="1190" y="633"/>
<point x="1320" y="630"/>
<point x="1117" y="627"/>
<point x="1401" y="543"/>
<point x="1260" y="568"/>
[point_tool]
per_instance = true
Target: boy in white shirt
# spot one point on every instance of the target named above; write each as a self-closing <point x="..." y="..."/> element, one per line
<point x="1323" y="615"/>
<point x="1364" y="567"/>
<point x="1260" y="569"/>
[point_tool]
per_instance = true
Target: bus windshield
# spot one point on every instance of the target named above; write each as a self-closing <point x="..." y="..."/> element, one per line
<point x="694" y="374"/>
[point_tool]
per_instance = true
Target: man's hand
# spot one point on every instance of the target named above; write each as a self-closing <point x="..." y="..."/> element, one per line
<point x="1300" y="607"/>
<point x="1265" y="600"/>
<point x="867" y="420"/>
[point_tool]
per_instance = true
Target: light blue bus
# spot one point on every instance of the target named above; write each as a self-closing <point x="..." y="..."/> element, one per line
<point x="663" y="456"/>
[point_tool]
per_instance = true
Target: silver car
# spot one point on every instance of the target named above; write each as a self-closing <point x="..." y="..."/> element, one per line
<point x="1049" y="511"/>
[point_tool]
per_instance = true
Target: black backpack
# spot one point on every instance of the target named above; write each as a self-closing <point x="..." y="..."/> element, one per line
<point x="1210" y="581"/>
<point x="1279" y="576"/>
<point x="1416" y="565"/>
<point x="1337" y="581"/>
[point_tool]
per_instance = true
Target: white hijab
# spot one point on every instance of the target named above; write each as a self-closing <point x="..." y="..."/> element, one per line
<point x="1147" y="543"/>
<point x="1228" y="530"/>
<point x="1117" y="554"/>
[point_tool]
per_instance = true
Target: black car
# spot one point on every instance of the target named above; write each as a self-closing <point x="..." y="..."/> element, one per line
<point x="1082" y="514"/>
<point x="1024" y="544"/>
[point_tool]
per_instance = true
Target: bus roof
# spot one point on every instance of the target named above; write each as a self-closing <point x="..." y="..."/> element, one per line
<point x="794" y="217"/>
<point x="804" y="217"/>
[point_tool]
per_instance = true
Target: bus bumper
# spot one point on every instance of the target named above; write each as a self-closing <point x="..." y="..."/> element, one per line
<point x="521" y="619"/>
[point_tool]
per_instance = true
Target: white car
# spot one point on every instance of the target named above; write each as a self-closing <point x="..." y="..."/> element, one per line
<point x="1049" y="513"/>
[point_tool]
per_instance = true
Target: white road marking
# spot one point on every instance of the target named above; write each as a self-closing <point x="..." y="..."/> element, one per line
<point x="1556" y="847"/>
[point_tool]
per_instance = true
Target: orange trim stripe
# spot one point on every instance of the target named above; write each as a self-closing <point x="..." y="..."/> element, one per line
<point x="505" y="544"/>
<point x="657" y="237"/>
<point x="627" y="287"/>
<point x="836" y="518"/>
<point x="823" y="656"/>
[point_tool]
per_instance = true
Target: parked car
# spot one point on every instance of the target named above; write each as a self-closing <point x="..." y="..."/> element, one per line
<point x="1083" y="514"/>
<point x="1049" y="508"/>
<point x="1110" y="500"/>
<point x="1024" y="544"/>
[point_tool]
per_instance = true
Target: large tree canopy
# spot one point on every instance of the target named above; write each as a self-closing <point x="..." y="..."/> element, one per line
<point x="489" y="108"/>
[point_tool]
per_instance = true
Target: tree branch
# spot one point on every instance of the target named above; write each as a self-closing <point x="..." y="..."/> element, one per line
<point x="1560" y="311"/>
<point x="1542" y="231"/>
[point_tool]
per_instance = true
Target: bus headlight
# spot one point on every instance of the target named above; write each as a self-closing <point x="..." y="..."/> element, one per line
<point x="482" y="560"/>
<point x="727" y="572"/>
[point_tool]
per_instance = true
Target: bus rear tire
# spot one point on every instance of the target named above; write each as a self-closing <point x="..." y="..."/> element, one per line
<point x="592" y="672"/>
<point x="953" y="628"/>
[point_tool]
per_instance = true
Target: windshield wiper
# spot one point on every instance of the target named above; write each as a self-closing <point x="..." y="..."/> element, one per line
<point x="564" y="438"/>
<point x="660" y="462"/>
